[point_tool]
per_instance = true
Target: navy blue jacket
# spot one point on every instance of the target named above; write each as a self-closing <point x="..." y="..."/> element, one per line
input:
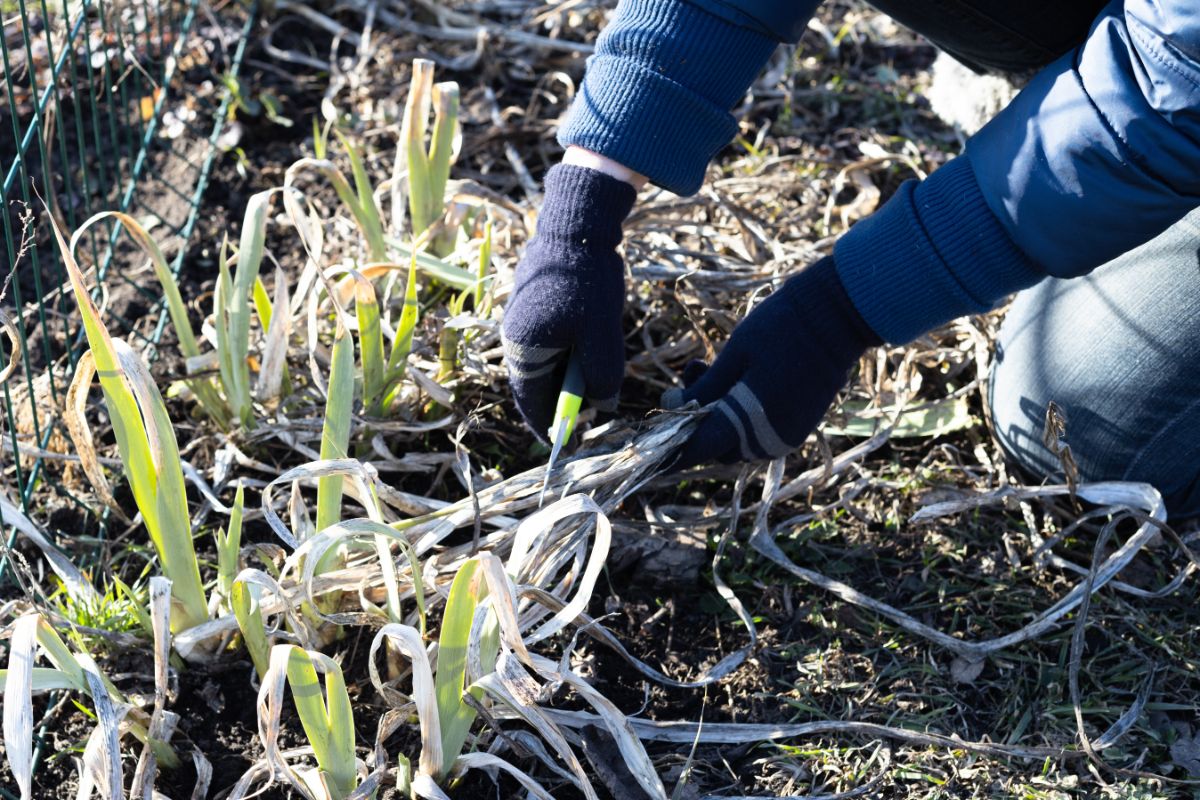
<point x="1098" y="154"/>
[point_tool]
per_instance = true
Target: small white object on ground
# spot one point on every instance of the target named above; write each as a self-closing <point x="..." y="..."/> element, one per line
<point x="964" y="98"/>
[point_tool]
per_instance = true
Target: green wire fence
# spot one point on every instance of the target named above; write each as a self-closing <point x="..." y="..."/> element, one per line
<point x="107" y="105"/>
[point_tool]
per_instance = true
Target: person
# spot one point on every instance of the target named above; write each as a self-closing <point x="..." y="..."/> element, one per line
<point x="1078" y="196"/>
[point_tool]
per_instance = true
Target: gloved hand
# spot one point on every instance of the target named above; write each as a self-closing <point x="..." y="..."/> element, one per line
<point x="777" y="375"/>
<point x="569" y="294"/>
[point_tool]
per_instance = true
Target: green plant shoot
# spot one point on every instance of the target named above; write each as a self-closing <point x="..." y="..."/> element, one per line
<point x="466" y="593"/>
<point x="206" y="394"/>
<point x="335" y="437"/>
<point x="229" y="543"/>
<point x="149" y="452"/>
<point x="244" y="599"/>
<point x="327" y="720"/>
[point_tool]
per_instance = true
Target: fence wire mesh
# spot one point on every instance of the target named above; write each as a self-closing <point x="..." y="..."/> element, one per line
<point x="106" y="106"/>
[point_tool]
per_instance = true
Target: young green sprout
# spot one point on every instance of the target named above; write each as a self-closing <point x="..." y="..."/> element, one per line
<point x="445" y="717"/>
<point x="335" y="436"/>
<point x="402" y="344"/>
<point x="429" y="166"/>
<point x="326" y="717"/>
<point x="232" y="304"/>
<point x="381" y="379"/>
<point x="370" y="341"/>
<point x="202" y="388"/>
<point x="452" y="336"/>
<point x="149" y="452"/>
<point x="231" y="311"/>
<point x="239" y="595"/>
<point x="229" y="544"/>
<point x="244" y="599"/>
<point x="360" y="200"/>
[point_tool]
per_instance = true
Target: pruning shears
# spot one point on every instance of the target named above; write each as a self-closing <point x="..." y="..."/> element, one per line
<point x="566" y="414"/>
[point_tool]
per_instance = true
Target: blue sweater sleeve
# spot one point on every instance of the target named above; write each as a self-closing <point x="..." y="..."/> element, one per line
<point x="658" y="91"/>
<point x="1098" y="154"/>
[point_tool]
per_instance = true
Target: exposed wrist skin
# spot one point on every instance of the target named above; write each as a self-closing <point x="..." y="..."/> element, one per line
<point x="582" y="157"/>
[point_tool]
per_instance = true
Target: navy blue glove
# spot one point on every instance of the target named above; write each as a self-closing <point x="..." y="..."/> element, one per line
<point x="778" y="374"/>
<point x="569" y="294"/>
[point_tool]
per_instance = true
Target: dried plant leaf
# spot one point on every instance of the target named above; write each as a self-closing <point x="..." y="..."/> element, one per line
<point x="14" y="346"/>
<point x="272" y="372"/>
<point x="204" y="773"/>
<point x="1135" y="495"/>
<point x="75" y="417"/>
<point x="924" y="422"/>
<point x="637" y="761"/>
<point x="18" y="702"/>
<point x="407" y="642"/>
<point x="538" y="719"/>
<point x="102" y="754"/>
<point x="545" y="519"/>
<point x="469" y="761"/>
<point x="160" y="614"/>
<point x="687" y="732"/>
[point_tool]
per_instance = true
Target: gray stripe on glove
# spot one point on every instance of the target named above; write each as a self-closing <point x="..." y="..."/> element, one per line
<point x="530" y="354"/>
<point x="726" y="408"/>
<point x="605" y="405"/>
<point x="529" y="361"/>
<point x="764" y="431"/>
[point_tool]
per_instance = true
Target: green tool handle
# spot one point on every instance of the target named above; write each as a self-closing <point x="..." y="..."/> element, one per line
<point x="570" y="400"/>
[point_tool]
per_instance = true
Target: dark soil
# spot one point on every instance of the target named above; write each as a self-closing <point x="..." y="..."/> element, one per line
<point x="218" y="716"/>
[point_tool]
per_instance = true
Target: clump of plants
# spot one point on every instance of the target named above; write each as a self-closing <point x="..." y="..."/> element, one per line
<point x="335" y="348"/>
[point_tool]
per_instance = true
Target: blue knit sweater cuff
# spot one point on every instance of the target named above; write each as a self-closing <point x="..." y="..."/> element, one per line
<point x="658" y="101"/>
<point x="933" y="253"/>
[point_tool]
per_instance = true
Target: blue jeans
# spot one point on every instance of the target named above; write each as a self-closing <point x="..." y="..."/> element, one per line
<point x="1119" y="350"/>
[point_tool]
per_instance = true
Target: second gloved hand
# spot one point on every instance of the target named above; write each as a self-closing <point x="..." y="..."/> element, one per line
<point x="569" y="295"/>
<point x="779" y="372"/>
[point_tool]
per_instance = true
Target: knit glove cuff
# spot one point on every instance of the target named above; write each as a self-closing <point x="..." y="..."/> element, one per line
<point x="934" y="252"/>
<point x="584" y="208"/>
<point x="658" y="92"/>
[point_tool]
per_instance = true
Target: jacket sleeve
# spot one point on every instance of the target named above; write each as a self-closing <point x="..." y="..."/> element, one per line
<point x="1097" y="155"/>
<point x="658" y="91"/>
<point x="782" y="20"/>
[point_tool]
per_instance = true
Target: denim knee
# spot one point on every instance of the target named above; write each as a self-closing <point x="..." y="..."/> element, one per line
<point x="1018" y="410"/>
<point x="1119" y="352"/>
